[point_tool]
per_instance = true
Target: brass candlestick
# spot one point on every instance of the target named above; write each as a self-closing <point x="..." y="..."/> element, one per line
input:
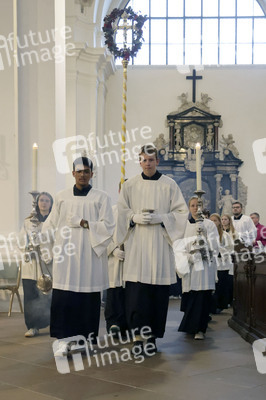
<point x="200" y="245"/>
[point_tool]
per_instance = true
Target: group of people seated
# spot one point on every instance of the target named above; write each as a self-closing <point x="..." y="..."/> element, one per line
<point x="134" y="251"/>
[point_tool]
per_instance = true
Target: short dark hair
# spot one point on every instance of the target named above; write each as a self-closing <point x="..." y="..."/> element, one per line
<point x="257" y="215"/>
<point x="206" y="212"/>
<point x="149" y="149"/>
<point x="238" y="202"/>
<point x="84" y="161"/>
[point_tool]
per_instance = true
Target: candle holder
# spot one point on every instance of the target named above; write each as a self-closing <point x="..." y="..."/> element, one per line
<point x="29" y="249"/>
<point x="200" y="245"/>
<point x="34" y="220"/>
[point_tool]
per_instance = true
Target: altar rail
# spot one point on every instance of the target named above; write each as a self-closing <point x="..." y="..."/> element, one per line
<point x="249" y="305"/>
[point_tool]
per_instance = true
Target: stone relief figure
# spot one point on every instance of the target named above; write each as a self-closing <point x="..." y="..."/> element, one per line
<point x="183" y="98"/>
<point x="225" y="203"/>
<point x="209" y="138"/>
<point x="192" y="135"/>
<point x="205" y="99"/>
<point x="178" y="141"/>
<point x="160" y="142"/>
<point x="242" y="192"/>
<point x="228" y="144"/>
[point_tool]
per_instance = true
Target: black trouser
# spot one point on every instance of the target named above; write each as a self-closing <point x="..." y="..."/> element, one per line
<point x="115" y="313"/>
<point x="147" y="305"/>
<point x="36" y="305"/>
<point x="74" y="313"/>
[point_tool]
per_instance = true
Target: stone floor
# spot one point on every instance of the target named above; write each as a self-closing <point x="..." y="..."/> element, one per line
<point x="221" y="367"/>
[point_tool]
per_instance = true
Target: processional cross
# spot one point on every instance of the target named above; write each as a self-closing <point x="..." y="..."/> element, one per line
<point x="110" y="28"/>
<point x="125" y="27"/>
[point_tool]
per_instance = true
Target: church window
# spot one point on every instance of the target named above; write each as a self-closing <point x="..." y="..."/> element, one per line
<point x="201" y="32"/>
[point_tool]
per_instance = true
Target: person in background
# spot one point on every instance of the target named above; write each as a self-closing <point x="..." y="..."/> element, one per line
<point x="228" y="226"/>
<point x="222" y="293"/>
<point x="36" y="304"/>
<point x="243" y="224"/>
<point x="261" y="230"/>
<point x="206" y="213"/>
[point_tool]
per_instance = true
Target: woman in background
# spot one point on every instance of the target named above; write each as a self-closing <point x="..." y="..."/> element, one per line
<point x="36" y="304"/>
<point x="222" y="295"/>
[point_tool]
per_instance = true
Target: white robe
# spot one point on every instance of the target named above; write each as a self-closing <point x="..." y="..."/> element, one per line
<point x="149" y="255"/>
<point x="246" y="229"/>
<point x="115" y="266"/>
<point x="192" y="278"/>
<point x="79" y="254"/>
<point x="226" y="249"/>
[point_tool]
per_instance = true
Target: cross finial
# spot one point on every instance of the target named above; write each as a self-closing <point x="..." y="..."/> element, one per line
<point x="194" y="78"/>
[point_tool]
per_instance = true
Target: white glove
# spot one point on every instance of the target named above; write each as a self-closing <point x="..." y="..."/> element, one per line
<point x="47" y="260"/>
<point x="73" y="221"/>
<point x="142" y="219"/>
<point x="46" y="256"/>
<point x="120" y="254"/>
<point x="156" y="219"/>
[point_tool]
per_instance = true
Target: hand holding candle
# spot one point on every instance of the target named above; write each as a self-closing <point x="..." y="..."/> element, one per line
<point x="34" y="165"/>
<point x="198" y="165"/>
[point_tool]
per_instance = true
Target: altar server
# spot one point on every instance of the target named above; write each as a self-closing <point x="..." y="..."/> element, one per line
<point x="243" y="224"/>
<point x="115" y="314"/>
<point x="152" y="214"/>
<point x="222" y="295"/>
<point x="83" y="223"/>
<point x="198" y="273"/>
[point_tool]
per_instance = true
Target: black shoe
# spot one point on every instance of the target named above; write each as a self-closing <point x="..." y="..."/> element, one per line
<point x="137" y="348"/>
<point x="114" y="331"/>
<point x="152" y="340"/>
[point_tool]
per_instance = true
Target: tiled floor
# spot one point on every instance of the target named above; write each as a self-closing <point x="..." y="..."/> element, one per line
<point x="221" y="367"/>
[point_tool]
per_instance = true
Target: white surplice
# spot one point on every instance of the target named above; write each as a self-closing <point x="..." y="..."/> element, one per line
<point x="115" y="266"/>
<point x="192" y="278"/>
<point x="84" y="268"/>
<point x="149" y="255"/>
<point x="246" y="229"/>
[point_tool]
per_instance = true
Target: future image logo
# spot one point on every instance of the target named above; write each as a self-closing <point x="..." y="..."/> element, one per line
<point x="259" y="150"/>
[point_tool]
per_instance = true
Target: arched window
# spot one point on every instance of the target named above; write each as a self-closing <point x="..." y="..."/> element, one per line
<point x="186" y="32"/>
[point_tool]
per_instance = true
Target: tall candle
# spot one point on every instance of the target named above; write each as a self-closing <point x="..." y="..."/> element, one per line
<point x="198" y="166"/>
<point x="34" y="165"/>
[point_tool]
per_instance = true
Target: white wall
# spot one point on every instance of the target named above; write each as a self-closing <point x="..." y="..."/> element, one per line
<point x="237" y="94"/>
<point x="8" y="135"/>
<point x="36" y="100"/>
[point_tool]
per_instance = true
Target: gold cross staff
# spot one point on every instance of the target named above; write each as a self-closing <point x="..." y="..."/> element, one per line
<point x="125" y="28"/>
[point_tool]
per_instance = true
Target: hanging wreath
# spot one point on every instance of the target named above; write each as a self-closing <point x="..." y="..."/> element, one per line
<point x="137" y="36"/>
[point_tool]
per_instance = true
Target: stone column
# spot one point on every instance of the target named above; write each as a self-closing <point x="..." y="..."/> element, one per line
<point x="233" y="178"/>
<point x="177" y="137"/>
<point x="218" y="178"/>
<point x="171" y="136"/>
<point x="86" y="73"/>
<point x="216" y="126"/>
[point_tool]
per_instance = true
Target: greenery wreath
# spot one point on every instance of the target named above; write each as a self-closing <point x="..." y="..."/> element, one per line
<point x="109" y="33"/>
